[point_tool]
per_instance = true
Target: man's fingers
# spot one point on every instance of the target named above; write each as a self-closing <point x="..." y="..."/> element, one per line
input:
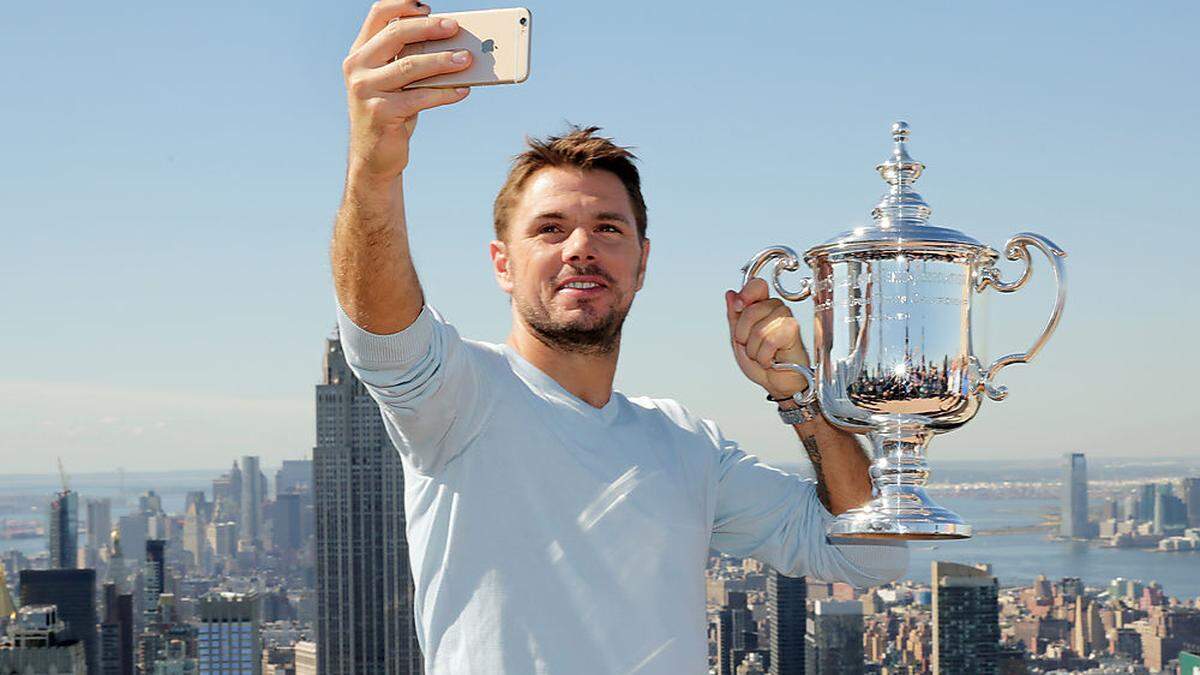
<point x="399" y="74"/>
<point x="769" y="331"/>
<point x="384" y="11"/>
<point x="752" y="315"/>
<point x="412" y="101"/>
<point x="755" y="290"/>
<point x="391" y="40"/>
<point x="774" y="339"/>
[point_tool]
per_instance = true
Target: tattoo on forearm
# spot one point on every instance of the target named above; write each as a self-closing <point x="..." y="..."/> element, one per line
<point x="814" y="456"/>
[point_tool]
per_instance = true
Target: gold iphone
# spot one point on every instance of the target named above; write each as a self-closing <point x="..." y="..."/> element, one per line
<point x="498" y="40"/>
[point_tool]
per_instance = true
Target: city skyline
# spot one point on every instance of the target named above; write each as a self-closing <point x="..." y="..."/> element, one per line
<point x="189" y="236"/>
<point x="756" y="616"/>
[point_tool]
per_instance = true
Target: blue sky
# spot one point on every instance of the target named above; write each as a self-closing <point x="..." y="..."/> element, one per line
<point x="171" y="172"/>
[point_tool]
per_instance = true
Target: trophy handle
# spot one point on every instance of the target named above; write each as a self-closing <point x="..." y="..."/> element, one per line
<point x="810" y="391"/>
<point x="1017" y="248"/>
<point x="785" y="259"/>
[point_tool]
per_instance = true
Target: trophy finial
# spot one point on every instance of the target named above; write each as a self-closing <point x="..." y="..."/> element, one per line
<point x="901" y="204"/>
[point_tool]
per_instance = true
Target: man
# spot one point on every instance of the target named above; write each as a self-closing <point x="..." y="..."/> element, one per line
<point x="555" y="525"/>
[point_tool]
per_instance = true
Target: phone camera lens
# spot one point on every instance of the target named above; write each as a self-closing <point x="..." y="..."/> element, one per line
<point x="523" y="21"/>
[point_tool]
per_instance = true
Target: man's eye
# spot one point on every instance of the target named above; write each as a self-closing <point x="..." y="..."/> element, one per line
<point x="610" y="228"/>
<point x="547" y="229"/>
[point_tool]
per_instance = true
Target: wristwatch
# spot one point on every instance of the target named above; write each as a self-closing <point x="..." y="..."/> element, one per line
<point x="806" y="412"/>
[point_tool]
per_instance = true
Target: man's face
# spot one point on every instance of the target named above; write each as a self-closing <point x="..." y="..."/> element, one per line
<point x="572" y="260"/>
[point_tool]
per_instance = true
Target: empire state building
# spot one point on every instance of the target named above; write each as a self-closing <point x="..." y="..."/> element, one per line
<point x="365" y="623"/>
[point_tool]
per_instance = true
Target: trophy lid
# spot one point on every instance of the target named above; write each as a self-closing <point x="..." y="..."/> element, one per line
<point x="901" y="216"/>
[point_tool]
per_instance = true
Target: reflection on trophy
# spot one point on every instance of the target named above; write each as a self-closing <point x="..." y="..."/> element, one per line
<point x="892" y="349"/>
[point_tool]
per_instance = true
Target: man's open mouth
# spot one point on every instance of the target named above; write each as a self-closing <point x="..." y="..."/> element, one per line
<point x="581" y="285"/>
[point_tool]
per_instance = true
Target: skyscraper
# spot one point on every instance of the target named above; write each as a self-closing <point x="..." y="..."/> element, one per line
<point x="733" y="620"/>
<point x="116" y="633"/>
<point x="64" y="530"/>
<point x="228" y="486"/>
<point x="1074" y="497"/>
<point x="725" y="663"/>
<point x="365" y="620"/>
<point x="73" y="592"/>
<point x="293" y="504"/>
<point x="1191" y="500"/>
<point x="154" y="616"/>
<point x="195" y="529"/>
<point x="99" y="528"/>
<point x="1146" y="494"/>
<point x="228" y="640"/>
<point x="786" y="598"/>
<point x="285" y="530"/>
<point x="250" y="534"/>
<point x="966" y="619"/>
<point x="222" y="539"/>
<point x="834" y="638"/>
<point x="1170" y="512"/>
<point x="154" y="572"/>
<point x="133" y="530"/>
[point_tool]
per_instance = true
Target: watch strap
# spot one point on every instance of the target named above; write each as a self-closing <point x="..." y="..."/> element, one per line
<point x="806" y="411"/>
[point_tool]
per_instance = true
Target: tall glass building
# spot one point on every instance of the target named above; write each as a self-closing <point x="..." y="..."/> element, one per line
<point x="1074" y="497"/>
<point x="966" y="619"/>
<point x="64" y="530"/>
<point x="786" y="607"/>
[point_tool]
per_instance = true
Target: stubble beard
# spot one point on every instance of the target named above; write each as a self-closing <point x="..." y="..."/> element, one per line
<point x="583" y="336"/>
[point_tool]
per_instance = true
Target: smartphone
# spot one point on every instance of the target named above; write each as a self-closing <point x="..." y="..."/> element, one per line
<point x="498" y="40"/>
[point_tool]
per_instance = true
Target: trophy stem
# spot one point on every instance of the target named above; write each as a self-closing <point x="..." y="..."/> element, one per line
<point x="901" y="508"/>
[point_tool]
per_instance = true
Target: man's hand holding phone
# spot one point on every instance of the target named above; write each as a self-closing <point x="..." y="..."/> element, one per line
<point x="382" y="114"/>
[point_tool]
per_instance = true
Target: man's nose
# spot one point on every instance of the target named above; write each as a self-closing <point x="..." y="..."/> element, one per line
<point x="578" y="246"/>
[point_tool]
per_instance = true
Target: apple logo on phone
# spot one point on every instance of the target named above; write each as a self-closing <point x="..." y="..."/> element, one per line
<point x="488" y="46"/>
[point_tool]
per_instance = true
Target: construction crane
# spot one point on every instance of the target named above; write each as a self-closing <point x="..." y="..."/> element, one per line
<point x="62" y="474"/>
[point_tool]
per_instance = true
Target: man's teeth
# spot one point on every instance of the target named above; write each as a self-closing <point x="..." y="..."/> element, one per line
<point x="582" y="284"/>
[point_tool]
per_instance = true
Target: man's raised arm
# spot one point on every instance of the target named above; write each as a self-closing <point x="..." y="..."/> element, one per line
<point x="373" y="272"/>
<point x="411" y="362"/>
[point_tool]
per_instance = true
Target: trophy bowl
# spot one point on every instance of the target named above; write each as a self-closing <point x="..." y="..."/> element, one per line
<point x="892" y="351"/>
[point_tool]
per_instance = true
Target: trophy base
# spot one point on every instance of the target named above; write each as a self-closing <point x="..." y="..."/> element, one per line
<point x="901" y="509"/>
<point x="910" y="514"/>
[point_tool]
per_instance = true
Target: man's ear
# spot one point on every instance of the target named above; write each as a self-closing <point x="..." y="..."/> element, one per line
<point x="645" y="256"/>
<point x="499" y="252"/>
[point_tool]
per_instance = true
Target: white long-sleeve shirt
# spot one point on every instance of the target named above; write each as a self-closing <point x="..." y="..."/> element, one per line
<point x="550" y="536"/>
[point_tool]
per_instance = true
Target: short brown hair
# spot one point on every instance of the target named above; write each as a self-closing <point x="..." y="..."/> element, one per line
<point x="580" y="148"/>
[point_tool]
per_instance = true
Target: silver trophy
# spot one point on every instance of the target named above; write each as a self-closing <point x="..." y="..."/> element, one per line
<point x="892" y="346"/>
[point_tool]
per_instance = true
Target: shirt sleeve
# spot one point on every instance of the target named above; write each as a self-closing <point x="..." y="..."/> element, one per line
<point x="776" y="517"/>
<point x="427" y="383"/>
